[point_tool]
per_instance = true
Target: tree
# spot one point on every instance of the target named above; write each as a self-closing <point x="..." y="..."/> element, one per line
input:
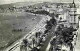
<point x="46" y="31"/>
<point x="25" y="41"/>
<point x="42" y="12"/>
<point x="37" y="35"/>
<point x="49" y="25"/>
<point x="79" y="17"/>
<point x="53" y="21"/>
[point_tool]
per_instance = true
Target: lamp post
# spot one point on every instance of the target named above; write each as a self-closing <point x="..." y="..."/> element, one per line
<point x="33" y="40"/>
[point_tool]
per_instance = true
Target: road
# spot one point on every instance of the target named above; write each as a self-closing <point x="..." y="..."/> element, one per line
<point x="77" y="47"/>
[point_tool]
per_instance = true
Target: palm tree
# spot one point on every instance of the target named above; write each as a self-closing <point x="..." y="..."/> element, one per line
<point x="25" y="41"/>
<point x="79" y="17"/>
<point x="37" y="35"/>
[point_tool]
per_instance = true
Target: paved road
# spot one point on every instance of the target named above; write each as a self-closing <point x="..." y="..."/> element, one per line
<point x="77" y="47"/>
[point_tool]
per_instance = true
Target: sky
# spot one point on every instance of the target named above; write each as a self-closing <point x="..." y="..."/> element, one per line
<point x="14" y="1"/>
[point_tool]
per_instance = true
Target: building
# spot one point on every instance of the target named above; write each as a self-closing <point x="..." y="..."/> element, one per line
<point x="72" y="15"/>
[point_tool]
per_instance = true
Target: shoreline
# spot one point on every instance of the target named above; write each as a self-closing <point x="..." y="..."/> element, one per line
<point x="28" y="33"/>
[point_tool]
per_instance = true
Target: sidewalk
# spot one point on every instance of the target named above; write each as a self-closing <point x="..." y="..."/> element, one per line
<point x="77" y="47"/>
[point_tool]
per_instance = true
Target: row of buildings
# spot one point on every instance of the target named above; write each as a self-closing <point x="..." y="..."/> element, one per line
<point x="67" y="12"/>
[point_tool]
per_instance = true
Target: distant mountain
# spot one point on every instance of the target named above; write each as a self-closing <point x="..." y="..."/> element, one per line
<point x="18" y="4"/>
<point x="21" y="4"/>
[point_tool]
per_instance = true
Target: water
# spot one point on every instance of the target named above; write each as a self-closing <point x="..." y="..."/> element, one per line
<point x="17" y="20"/>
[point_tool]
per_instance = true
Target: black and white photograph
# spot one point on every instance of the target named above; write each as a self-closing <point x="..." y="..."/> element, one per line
<point x="39" y="25"/>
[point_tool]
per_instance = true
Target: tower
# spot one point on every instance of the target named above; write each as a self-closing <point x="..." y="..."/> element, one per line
<point x="74" y="4"/>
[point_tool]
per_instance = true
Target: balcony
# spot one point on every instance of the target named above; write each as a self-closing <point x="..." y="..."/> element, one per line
<point x="73" y="9"/>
